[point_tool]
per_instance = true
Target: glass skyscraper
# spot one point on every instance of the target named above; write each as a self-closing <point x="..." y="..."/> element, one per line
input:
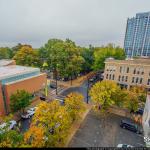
<point x="137" y="37"/>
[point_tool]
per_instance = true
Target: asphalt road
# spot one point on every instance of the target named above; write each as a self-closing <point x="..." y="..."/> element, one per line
<point x="99" y="132"/>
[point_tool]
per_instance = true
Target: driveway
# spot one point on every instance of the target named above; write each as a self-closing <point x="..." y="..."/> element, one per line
<point x="98" y="132"/>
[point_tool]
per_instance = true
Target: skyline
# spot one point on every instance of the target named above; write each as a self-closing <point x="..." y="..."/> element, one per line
<point x="27" y="24"/>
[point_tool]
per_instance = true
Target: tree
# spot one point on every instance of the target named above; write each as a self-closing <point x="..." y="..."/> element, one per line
<point x="74" y="103"/>
<point x="26" y="56"/>
<point x="20" y="100"/>
<point x="140" y="91"/>
<point x="11" y="139"/>
<point x="34" y="137"/>
<point x="101" y="53"/>
<point x="131" y="101"/>
<point x="102" y="94"/>
<point x="55" y="120"/>
<point x="5" y="53"/>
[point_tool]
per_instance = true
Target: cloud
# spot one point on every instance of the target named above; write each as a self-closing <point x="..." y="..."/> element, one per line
<point x="86" y="22"/>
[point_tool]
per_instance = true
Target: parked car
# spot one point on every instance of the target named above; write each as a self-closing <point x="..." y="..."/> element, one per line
<point x="130" y="126"/>
<point x="140" y="111"/>
<point x="43" y="98"/>
<point x="28" y="114"/>
<point x="53" y="85"/>
<point x="32" y="109"/>
<point x="7" y="126"/>
<point x="124" y="145"/>
<point x="60" y="100"/>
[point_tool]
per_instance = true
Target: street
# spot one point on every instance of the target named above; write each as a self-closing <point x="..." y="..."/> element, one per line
<point x="96" y="132"/>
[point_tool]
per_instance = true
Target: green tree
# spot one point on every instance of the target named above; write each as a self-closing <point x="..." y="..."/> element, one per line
<point x="26" y="56"/>
<point x="74" y="103"/>
<point x="20" y="100"/>
<point x="101" y="53"/>
<point x="5" y="53"/>
<point x="11" y="139"/>
<point x="102" y="94"/>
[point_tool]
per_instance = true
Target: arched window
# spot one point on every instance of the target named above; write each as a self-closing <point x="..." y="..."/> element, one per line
<point x="134" y="71"/>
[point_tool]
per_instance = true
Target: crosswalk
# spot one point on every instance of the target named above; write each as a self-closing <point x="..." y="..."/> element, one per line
<point x="59" y="90"/>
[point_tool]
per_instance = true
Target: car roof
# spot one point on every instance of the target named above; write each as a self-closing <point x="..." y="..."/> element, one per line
<point x="128" y="122"/>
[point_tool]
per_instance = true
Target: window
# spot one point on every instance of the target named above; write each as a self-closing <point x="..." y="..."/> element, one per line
<point x="133" y="80"/>
<point x="106" y="76"/>
<point x="113" y="77"/>
<point x="110" y="77"/>
<point x="148" y="83"/>
<point x="127" y="69"/>
<point x="119" y="78"/>
<point x="126" y="78"/>
<point x="141" y="80"/>
<point x="134" y="72"/>
<point x="137" y="79"/>
<point x="122" y="78"/>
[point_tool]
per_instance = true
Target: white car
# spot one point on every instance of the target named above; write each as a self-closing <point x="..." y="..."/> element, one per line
<point x="28" y="115"/>
<point x="124" y="145"/>
<point x="7" y="126"/>
<point x="32" y="109"/>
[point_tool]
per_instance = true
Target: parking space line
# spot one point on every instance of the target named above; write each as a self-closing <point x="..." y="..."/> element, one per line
<point x="82" y="141"/>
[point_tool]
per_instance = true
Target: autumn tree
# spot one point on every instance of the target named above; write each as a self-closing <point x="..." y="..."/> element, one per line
<point x="11" y="139"/>
<point x="74" y="103"/>
<point x="131" y="101"/>
<point x="20" y="100"/>
<point x="55" y="120"/>
<point x="34" y="137"/>
<point x="102" y="94"/>
<point x="26" y="56"/>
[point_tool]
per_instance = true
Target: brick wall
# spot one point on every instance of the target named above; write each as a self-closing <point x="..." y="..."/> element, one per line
<point x="31" y="85"/>
<point x="2" y="107"/>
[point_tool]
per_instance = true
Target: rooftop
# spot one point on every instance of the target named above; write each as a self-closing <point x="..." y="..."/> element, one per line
<point x="5" y="62"/>
<point x="139" y="61"/>
<point x="14" y="70"/>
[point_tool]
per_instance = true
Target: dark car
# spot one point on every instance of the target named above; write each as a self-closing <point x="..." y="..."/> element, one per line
<point x="138" y="112"/>
<point x="130" y="126"/>
<point x="52" y="85"/>
<point x="43" y="98"/>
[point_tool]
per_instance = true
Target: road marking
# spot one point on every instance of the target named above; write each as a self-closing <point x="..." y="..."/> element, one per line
<point x="141" y="144"/>
<point x="82" y="141"/>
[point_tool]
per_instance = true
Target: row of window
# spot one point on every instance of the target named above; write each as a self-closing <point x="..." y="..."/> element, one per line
<point x="123" y="78"/>
<point x="137" y="80"/>
<point x="110" y="76"/>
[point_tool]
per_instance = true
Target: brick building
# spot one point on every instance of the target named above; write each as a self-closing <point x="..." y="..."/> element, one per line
<point x="13" y="78"/>
<point x="128" y="72"/>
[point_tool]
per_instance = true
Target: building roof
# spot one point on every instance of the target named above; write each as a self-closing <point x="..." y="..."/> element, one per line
<point x="14" y="70"/>
<point x="5" y="62"/>
<point x="139" y="61"/>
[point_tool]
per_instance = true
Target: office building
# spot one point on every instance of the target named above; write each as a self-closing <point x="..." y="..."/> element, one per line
<point x="137" y="36"/>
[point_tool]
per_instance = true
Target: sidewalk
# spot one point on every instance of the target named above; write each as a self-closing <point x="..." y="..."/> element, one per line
<point x="75" y="82"/>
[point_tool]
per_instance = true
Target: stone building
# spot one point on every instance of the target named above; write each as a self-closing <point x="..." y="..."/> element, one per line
<point x="129" y="72"/>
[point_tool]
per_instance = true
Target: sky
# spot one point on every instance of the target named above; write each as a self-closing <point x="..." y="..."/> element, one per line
<point x="95" y="22"/>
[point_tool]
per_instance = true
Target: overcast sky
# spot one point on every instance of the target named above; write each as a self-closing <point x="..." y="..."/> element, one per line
<point x="86" y="22"/>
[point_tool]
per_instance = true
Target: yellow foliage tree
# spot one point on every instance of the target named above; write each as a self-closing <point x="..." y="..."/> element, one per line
<point x="74" y="103"/>
<point x="55" y="120"/>
<point x="102" y="94"/>
<point x="35" y="137"/>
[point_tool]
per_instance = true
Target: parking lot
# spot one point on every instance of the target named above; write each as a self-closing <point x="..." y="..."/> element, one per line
<point x="98" y="132"/>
